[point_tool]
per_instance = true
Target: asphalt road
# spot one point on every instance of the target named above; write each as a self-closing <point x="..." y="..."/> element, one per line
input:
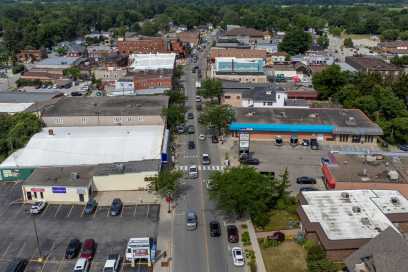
<point x="196" y="250"/>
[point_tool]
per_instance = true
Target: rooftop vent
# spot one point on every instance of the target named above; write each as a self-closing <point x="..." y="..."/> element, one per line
<point x="351" y="121"/>
<point x="345" y="195"/>
<point x="365" y="221"/>
<point x="50" y="132"/>
<point x="268" y="92"/>
<point x="74" y="176"/>
<point x="356" y="209"/>
<point x="251" y="113"/>
<point x="283" y="114"/>
<point x="393" y="175"/>
<point x="395" y="201"/>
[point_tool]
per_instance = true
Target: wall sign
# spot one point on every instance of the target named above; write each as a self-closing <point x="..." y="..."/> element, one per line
<point x="37" y="190"/>
<point x="59" y="190"/>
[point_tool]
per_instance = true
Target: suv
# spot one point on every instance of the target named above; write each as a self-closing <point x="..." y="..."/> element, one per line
<point x="191" y="220"/>
<point x="116" y="207"/>
<point x="112" y="263"/>
<point x="90" y="207"/>
<point x="82" y="265"/>
<point x="38" y="207"/>
<point x="191" y="145"/>
<point x="88" y="249"/>
<point x="215" y="229"/>
<point x="305" y="180"/>
<point x="193" y="171"/>
<point x="73" y="248"/>
<point x="190" y="130"/>
<point x="198" y="98"/>
<point x="232" y="233"/>
<point x="16" y="265"/>
<point x="180" y="129"/>
<point x="314" y="145"/>
<point x="206" y="159"/>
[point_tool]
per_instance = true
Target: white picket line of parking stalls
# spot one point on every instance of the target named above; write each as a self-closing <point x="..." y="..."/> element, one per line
<point x="202" y="167"/>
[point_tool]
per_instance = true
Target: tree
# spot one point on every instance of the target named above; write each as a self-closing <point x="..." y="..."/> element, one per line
<point x="348" y="42"/>
<point x="390" y="35"/>
<point x="323" y="41"/>
<point x="404" y="35"/>
<point x="296" y="41"/>
<point x="400" y="61"/>
<point x="72" y="72"/>
<point x="399" y="128"/>
<point x="166" y="182"/>
<point x="217" y="116"/>
<point x="61" y="51"/>
<point x="336" y="31"/>
<point x="329" y="81"/>
<point x="211" y="88"/>
<point x="176" y="97"/>
<point x="149" y="28"/>
<point x="174" y="115"/>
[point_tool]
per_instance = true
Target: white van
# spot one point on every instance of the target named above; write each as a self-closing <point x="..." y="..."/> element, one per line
<point x="82" y="265"/>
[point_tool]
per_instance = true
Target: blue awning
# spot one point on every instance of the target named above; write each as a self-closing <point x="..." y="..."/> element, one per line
<point x="290" y="128"/>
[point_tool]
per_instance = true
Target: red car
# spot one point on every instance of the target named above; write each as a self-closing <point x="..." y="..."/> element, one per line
<point x="88" y="249"/>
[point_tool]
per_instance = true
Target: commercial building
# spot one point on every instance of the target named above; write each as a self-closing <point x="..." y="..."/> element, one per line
<point x="368" y="64"/>
<point x="245" y="35"/>
<point x="99" y="51"/>
<point x="144" y="62"/>
<point x="236" y="53"/>
<point x="348" y="172"/>
<point x="141" y="45"/>
<point x="13" y="102"/>
<point x="394" y="48"/>
<point x="239" y="69"/>
<point x="343" y="221"/>
<point x="106" y="111"/>
<point x="189" y="38"/>
<point x="243" y="77"/>
<point x="344" y="126"/>
<point x="31" y="55"/>
<point x="153" y="80"/>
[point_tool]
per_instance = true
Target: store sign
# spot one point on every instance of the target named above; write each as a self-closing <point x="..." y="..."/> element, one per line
<point x="59" y="190"/>
<point x="141" y="252"/>
<point x="244" y="141"/>
<point x="37" y="190"/>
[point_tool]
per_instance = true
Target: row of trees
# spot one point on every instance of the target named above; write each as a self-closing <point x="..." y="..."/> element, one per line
<point x="382" y="99"/>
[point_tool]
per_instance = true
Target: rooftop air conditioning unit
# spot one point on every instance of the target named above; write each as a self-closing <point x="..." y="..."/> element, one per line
<point x="395" y="201"/>
<point x="365" y="221"/>
<point x="345" y="195"/>
<point x="393" y="175"/>
<point x="356" y="209"/>
<point x="75" y="176"/>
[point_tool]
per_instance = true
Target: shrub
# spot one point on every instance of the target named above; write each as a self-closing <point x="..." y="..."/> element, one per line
<point x="18" y="68"/>
<point x="245" y="238"/>
<point x="315" y="253"/>
<point x="261" y="219"/>
<point x="252" y="265"/>
<point x="308" y="244"/>
<point x="244" y="226"/>
<point x="267" y="243"/>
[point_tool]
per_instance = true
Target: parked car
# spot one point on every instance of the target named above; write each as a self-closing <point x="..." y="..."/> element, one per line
<point x="215" y="229"/>
<point x="38" y="207"/>
<point x="82" y="265"/>
<point x="73" y="248"/>
<point x="191" y="220"/>
<point x="202" y="137"/>
<point x="232" y="233"/>
<point x="190" y="115"/>
<point x="190" y="129"/>
<point x="249" y="161"/>
<point x="116" y="207"/>
<point x="278" y="141"/>
<point x="112" y="263"/>
<point x="403" y="147"/>
<point x="277" y="236"/>
<point x="191" y="145"/>
<point x="76" y="94"/>
<point x="238" y="256"/>
<point x="314" y="145"/>
<point x="305" y="142"/>
<point x="308" y="189"/>
<point x="214" y="139"/>
<point x="90" y="207"/>
<point x="305" y="180"/>
<point x="16" y="265"/>
<point x="88" y="249"/>
<point x="193" y="171"/>
<point x="206" y="159"/>
<point x="198" y="98"/>
<point x="180" y="129"/>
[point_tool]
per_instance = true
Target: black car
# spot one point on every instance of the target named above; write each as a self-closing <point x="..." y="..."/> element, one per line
<point x="73" y="248"/>
<point x="314" y="145"/>
<point x="116" y="207"/>
<point x="90" y="207"/>
<point x="215" y="229"/>
<point x="249" y="161"/>
<point x="305" y="180"/>
<point x="190" y="130"/>
<point x="190" y="115"/>
<point x="16" y="265"/>
<point x="403" y="147"/>
<point x="191" y="145"/>
<point x="232" y="233"/>
<point x="307" y="189"/>
<point x="214" y="139"/>
<point x="76" y="94"/>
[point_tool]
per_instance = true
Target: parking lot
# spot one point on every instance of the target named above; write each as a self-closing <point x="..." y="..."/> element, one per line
<point x="58" y="224"/>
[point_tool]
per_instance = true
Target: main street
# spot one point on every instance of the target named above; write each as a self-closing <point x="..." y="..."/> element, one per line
<point x="196" y="250"/>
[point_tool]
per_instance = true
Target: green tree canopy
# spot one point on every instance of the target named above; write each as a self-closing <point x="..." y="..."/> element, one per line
<point x="217" y="116"/>
<point x="174" y="115"/>
<point x="211" y="88"/>
<point x="329" y="81"/>
<point x="296" y="41"/>
<point x="166" y="182"/>
<point x="348" y="42"/>
<point x="323" y="41"/>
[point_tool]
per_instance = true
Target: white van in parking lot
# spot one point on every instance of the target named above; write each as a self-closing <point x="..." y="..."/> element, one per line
<point x="82" y="265"/>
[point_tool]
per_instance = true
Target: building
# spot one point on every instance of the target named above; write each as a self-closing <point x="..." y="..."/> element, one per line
<point x="61" y="185"/>
<point x="13" y="102"/>
<point x="239" y="69"/>
<point x="74" y="48"/>
<point x="289" y="71"/>
<point x="394" y="48"/>
<point x="279" y="56"/>
<point x="300" y="92"/>
<point x="31" y="55"/>
<point x="343" y="126"/>
<point x="243" y="77"/>
<point x="124" y="86"/>
<point x="189" y="38"/>
<point x="268" y="46"/>
<point x="106" y="111"/>
<point x="141" y="45"/>
<point x="114" y="60"/>
<point x="387" y="252"/>
<point x="368" y="64"/>
<point x="231" y="43"/>
<point x="99" y="51"/>
<point x="236" y="53"/>
<point x="158" y="80"/>
<point x="143" y="62"/>
<point x="344" y="221"/>
<point x="109" y="74"/>
<point x="245" y="35"/>
<point x="348" y="172"/>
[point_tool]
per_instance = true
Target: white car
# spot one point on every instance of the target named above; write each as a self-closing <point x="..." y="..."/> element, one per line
<point x="38" y="207"/>
<point x="206" y="159"/>
<point x="112" y="263"/>
<point x="198" y="98"/>
<point x="238" y="256"/>
<point x="202" y="137"/>
<point x="193" y="171"/>
<point x="82" y="265"/>
<point x="209" y="185"/>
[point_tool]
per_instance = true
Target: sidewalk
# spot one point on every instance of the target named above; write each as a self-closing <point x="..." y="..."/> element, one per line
<point x="255" y="246"/>
<point x="164" y="240"/>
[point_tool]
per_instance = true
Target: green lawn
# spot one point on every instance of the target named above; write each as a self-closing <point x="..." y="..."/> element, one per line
<point x="279" y="220"/>
<point x="287" y="257"/>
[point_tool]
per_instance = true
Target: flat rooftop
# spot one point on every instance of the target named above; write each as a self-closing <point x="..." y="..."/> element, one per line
<point x="127" y="167"/>
<point x="107" y="106"/>
<point x="88" y="146"/>
<point x="26" y="97"/>
<point x="353" y="214"/>
<point x="153" y="61"/>
<point x="57" y="61"/>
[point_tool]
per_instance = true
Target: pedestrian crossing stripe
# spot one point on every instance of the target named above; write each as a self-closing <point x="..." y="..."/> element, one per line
<point x="202" y="167"/>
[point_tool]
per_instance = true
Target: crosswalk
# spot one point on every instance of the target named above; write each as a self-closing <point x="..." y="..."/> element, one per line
<point x="201" y="167"/>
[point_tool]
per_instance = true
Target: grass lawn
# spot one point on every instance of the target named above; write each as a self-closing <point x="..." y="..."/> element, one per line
<point x="279" y="220"/>
<point x="287" y="257"/>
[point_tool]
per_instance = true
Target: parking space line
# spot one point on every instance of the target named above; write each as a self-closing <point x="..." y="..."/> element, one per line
<point x="134" y="212"/>
<point x="8" y="247"/>
<point x="22" y="248"/>
<point x="69" y="213"/>
<point x="107" y="214"/>
<point x="148" y="210"/>
<point x="82" y="213"/>
<point x="56" y="212"/>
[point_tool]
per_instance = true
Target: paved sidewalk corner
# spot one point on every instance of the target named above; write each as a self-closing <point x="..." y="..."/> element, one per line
<point x="164" y="239"/>
<point x="255" y="246"/>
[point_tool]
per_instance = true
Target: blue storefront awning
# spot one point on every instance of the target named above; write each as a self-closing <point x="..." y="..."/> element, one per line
<point x="288" y="128"/>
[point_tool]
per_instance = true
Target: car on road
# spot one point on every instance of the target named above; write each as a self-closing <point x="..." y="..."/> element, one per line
<point x="191" y="145"/>
<point x="76" y="94"/>
<point x="314" y="145"/>
<point x="198" y="98"/>
<point x="249" y="161"/>
<point x="116" y="207"/>
<point x="305" y="142"/>
<point x="73" y="248"/>
<point x="190" y="115"/>
<point x="193" y="171"/>
<point x="88" y="249"/>
<point x="82" y="265"/>
<point x="214" y="139"/>
<point x="215" y="229"/>
<point x="232" y="234"/>
<point x="206" y="159"/>
<point x="38" y="207"/>
<point x="16" y="265"/>
<point x="190" y="129"/>
<point x="403" y="147"/>
<point x="325" y="160"/>
<point x="305" y="180"/>
<point x="202" y="137"/>
<point x="180" y="129"/>
<point x="112" y="263"/>
<point x="238" y="256"/>
<point x="308" y="189"/>
<point x="278" y="141"/>
<point x="191" y="220"/>
<point x="90" y="207"/>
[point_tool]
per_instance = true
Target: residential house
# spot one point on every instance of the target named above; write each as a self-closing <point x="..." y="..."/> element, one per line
<point x="73" y="49"/>
<point x="368" y="64"/>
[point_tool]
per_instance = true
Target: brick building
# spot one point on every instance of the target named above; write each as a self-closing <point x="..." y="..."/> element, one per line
<point x="142" y="45"/>
<point x="152" y="80"/>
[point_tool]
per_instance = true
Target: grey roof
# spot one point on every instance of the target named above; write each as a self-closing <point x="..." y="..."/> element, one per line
<point x="257" y="92"/>
<point x="388" y="252"/>
<point x="240" y="73"/>
<point x="107" y="106"/>
<point x="347" y="121"/>
<point x="61" y="176"/>
<point x="58" y="61"/>
<point x="296" y="103"/>
<point x="127" y="167"/>
<point x="26" y="97"/>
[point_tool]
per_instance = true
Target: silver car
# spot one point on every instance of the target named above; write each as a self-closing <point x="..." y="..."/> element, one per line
<point x="191" y="220"/>
<point x="38" y="207"/>
<point x="193" y="172"/>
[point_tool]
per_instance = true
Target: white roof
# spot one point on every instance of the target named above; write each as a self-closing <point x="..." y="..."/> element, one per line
<point x="88" y="146"/>
<point x="334" y="211"/>
<point x="153" y="61"/>
<point x="13" y="107"/>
